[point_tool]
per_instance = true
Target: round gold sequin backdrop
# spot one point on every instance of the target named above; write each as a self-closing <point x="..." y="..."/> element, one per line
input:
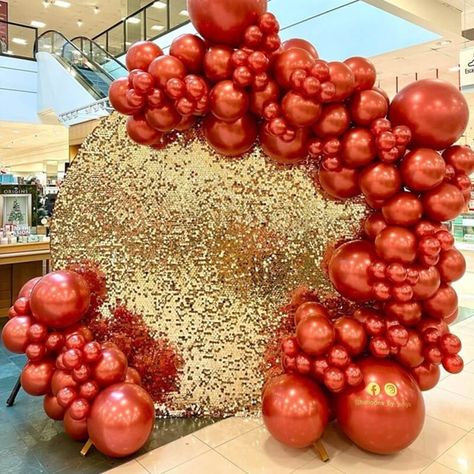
<point x="207" y="249"/>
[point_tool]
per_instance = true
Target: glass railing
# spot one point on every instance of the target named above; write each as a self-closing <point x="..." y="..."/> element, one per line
<point x="96" y="53"/>
<point x="90" y="74"/>
<point x="17" y="40"/>
<point x="150" y="22"/>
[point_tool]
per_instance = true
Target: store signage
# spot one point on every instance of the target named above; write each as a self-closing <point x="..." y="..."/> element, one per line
<point x="3" y="27"/>
<point x="466" y="64"/>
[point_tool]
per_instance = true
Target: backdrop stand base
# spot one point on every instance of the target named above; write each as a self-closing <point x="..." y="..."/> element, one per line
<point x="321" y="451"/>
<point x="85" y="449"/>
<point x="14" y="393"/>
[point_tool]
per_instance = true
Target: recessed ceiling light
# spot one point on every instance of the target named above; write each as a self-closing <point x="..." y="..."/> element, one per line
<point x="133" y="20"/>
<point x="38" y="24"/>
<point x="19" y="41"/>
<point x="157" y="27"/>
<point x="79" y="23"/>
<point x="159" y="5"/>
<point x="454" y="68"/>
<point x="61" y="4"/>
<point x="184" y="13"/>
<point x="96" y="10"/>
<point x="444" y="42"/>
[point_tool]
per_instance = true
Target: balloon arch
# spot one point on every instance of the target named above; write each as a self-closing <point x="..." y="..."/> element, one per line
<point x="244" y="88"/>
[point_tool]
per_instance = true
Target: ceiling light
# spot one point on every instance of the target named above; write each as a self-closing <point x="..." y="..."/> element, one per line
<point x="38" y="24"/>
<point x="184" y="13"/>
<point x="454" y="68"/>
<point x="96" y="10"/>
<point x="61" y="4"/>
<point x="19" y="41"/>
<point x="79" y="23"/>
<point x="444" y="42"/>
<point x="157" y="27"/>
<point x="159" y="5"/>
<point x="133" y="20"/>
<point x="45" y="3"/>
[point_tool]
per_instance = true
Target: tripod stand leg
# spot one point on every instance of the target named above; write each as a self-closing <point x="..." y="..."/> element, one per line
<point x="14" y="393"/>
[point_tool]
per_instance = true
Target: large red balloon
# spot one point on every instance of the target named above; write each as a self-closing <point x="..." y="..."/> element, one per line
<point x="121" y="419"/>
<point x="349" y="270"/>
<point x="358" y="147"/>
<point x="228" y="102"/>
<point x="379" y="181"/>
<point x="119" y="99"/>
<point x="341" y="184"/>
<point x="426" y="375"/>
<point x="451" y="265"/>
<point x="288" y="62"/>
<point x="140" y="131"/>
<point x="221" y="21"/>
<point x="111" y="368"/>
<point x="15" y="333"/>
<point x="374" y="224"/>
<point x="190" y="50"/>
<point x="396" y="244"/>
<point x="230" y="139"/>
<point x="443" y="203"/>
<point x="27" y="288"/>
<point x="343" y="78"/>
<point x="36" y="377"/>
<point x="411" y="355"/>
<point x="423" y="169"/>
<point x="300" y="43"/>
<point x="60" y="298"/>
<point x="428" y="283"/>
<point x="295" y="410"/>
<point x="284" y="152"/>
<point x="364" y="72"/>
<point x="435" y="110"/>
<point x="141" y="54"/>
<point x="300" y="111"/>
<point x="461" y="158"/>
<point x="443" y="303"/>
<point x="52" y="408"/>
<point x="76" y="429"/>
<point x="333" y="122"/>
<point x="386" y="413"/>
<point x="367" y="106"/>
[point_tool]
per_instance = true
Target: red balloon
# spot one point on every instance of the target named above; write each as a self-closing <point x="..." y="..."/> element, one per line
<point x="341" y="184"/>
<point x="428" y="323"/>
<point x="132" y="376"/>
<point x="260" y="98"/>
<point x="386" y="413"/>
<point x="428" y="283"/>
<point x="36" y="377"/>
<point x="453" y="364"/>
<point x="219" y="21"/>
<point x="228" y="102"/>
<point x="218" y="64"/>
<point x="300" y="43"/>
<point x="443" y="203"/>
<point x="450" y="344"/>
<point x="380" y="181"/>
<point x="396" y="244"/>
<point x="315" y="335"/>
<point x="27" y="288"/>
<point x="358" y="147"/>
<point x="423" y="169"/>
<point x="15" y="333"/>
<point x="300" y="111"/>
<point x="140" y="132"/>
<point x="435" y="110"/>
<point x="141" y="54"/>
<point x="119" y="99"/>
<point x="452" y="317"/>
<point x="75" y="429"/>
<point x="283" y="152"/>
<point x="287" y="62"/>
<point x="451" y="265"/>
<point x="22" y="306"/>
<point x="343" y="78"/>
<point x="367" y="106"/>
<point x="35" y="351"/>
<point x="164" y="119"/>
<point x="374" y="224"/>
<point x="131" y="424"/>
<point x="60" y="298"/>
<point x="66" y="396"/>
<point x="364" y="73"/>
<point x="61" y="379"/>
<point x="461" y="158"/>
<point x="443" y="303"/>
<point x="411" y="355"/>
<point x="426" y="375"/>
<point x="295" y="410"/>
<point x="111" y="368"/>
<point x="408" y="313"/>
<point x="402" y="209"/>
<point x="165" y="68"/>
<point x="79" y="409"/>
<point x="190" y="50"/>
<point x="230" y="139"/>
<point x="92" y="352"/>
<point x="333" y="121"/>
<point x="52" y="408"/>
<point x="349" y="270"/>
<point x="310" y="308"/>
<point x="351" y="334"/>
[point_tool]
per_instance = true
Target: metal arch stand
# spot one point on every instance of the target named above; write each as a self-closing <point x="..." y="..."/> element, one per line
<point x="11" y="399"/>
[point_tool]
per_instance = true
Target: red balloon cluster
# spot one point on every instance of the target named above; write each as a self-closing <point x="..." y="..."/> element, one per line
<point x="79" y="377"/>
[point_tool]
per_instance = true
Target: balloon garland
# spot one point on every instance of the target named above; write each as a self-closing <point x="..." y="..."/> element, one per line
<point x="243" y="86"/>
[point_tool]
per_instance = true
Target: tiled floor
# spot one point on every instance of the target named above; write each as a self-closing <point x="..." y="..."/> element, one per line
<point x="238" y="445"/>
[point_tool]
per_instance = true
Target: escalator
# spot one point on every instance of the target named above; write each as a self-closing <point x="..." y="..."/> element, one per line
<point x="93" y="71"/>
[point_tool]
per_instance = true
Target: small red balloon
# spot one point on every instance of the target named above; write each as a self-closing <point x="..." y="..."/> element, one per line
<point x="283" y="152"/>
<point x="52" y="408"/>
<point x="426" y="375"/>
<point x="340" y="184"/>
<point x="75" y="429"/>
<point x="443" y="203"/>
<point x="15" y="333"/>
<point x="380" y="181"/>
<point x="343" y="78"/>
<point x="461" y="158"/>
<point x="411" y="355"/>
<point x="451" y="265"/>
<point x="228" y="102"/>
<point x="443" y="303"/>
<point x="351" y="334"/>
<point x="310" y="308"/>
<point x="190" y="50"/>
<point x="218" y="64"/>
<point x="358" y="147"/>
<point x="315" y="335"/>
<point x="289" y="61"/>
<point x="300" y="43"/>
<point x="367" y="106"/>
<point x="364" y="72"/>
<point x="36" y="377"/>
<point x="141" y="54"/>
<point x="111" y="368"/>
<point x="423" y="169"/>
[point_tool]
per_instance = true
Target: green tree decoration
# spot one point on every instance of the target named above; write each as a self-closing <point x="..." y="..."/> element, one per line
<point x="16" y="215"/>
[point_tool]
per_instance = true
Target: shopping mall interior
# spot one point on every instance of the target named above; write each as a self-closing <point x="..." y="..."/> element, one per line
<point x="180" y="254"/>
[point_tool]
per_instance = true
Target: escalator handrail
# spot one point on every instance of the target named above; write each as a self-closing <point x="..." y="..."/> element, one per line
<point x="97" y="45"/>
<point x="67" y="42"/>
